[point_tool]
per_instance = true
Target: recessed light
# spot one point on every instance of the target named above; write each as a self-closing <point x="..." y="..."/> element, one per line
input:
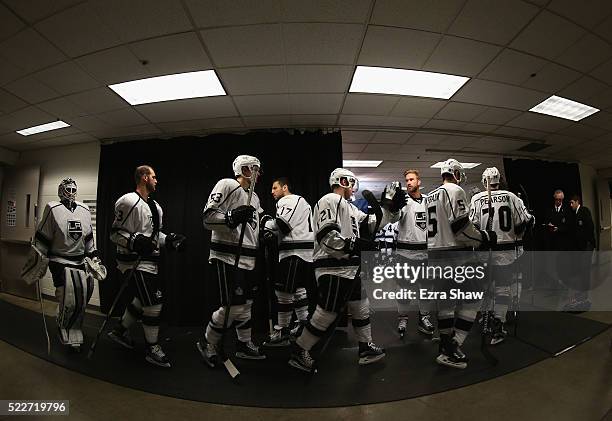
<point x="348" y="163"/>
<point x="557" y="106"/>
<point x="384" y="80"/>
<point x="43" y="128"/>
<point x="465" y="165"/>
<point x="170" y="87"/>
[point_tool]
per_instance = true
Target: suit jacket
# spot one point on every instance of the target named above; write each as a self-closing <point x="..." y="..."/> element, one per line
<point x="584" y="230"/>
<point x="564" y="221"/>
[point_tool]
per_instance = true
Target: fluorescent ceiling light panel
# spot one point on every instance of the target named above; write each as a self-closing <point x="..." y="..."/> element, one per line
<point x="170" y="87"/>
<point x="384" y="80"/>
<point x="347" y="163"/>
<point x="466" y="165"/>
<point x="557" y="106"/>
<point x="43" y="128"/>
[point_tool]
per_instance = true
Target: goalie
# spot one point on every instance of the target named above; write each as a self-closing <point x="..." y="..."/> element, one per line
<point x="64" y="241"/>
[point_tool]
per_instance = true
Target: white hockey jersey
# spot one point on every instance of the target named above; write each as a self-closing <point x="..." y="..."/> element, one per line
<point x="294" y="224"/>
<point x="449" y="227"/>
<point x="226" y="195"/>
<point x="509" y="221"/>
<point x="65" y="235"/>
<point x="412" y="229"/>
<point x="386" y="238"/>
<point x="133" y="216"/>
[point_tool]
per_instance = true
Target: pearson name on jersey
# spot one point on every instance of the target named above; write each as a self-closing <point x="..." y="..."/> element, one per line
<point x="133" y="216"/>
<point x="294" y="220"/>
<point x="509" y="219"/>
<point x="226" y="195"/>
<point x="412" y="229"/>
<point x="76" y="240"/>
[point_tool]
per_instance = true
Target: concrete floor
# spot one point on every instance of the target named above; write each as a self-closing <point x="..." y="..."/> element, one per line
<point x="575" y="386"/>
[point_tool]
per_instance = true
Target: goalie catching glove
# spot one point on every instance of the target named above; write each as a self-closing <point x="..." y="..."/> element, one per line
<point x="242" y="214"/>
<point x="95" y="268"/>
<point x="393" y="197"/>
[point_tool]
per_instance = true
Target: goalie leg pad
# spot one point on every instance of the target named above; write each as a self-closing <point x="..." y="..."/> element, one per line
<point x="316" y="327"/>
<point x="73" y="298"/>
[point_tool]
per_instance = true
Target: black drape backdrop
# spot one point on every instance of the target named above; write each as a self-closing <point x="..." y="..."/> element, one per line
<point x="187" y="170"/>
<point x="540" y="179"/>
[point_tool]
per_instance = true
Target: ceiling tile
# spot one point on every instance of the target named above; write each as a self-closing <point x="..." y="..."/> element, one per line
<point x="354" y="11"/>
<point x="529" y="120"/>
<point x="479" y="127"/>
<point x="9" y="71"/>
<point x="254" y="80"/>
<point x="405" y="122"/>
<point x="140" y="19"/>
<point x="445" y="124"/>
<point x="97" y="101"/>
<point x="11" y="24"/>
<point x="512" y="67"/>
<point x="78" y="30"/>
<point x="548" y="35"/>
<point x="61" y="108"/>
<point x="245" y="45"/>
<point x="263" y="104"/>
<point x="353" y="147"/>
<point x="126" y="132"/>
<point x="35" y="10"/>
<point x="236" y="12"/>
<point x="551" y="78"/>
<point x="321" y="43"/>
<point x="87" y="123"/>
<point x="67" y="78"/>
<point x="601" y="119"/>
<point x="498" y="116"/>
<point x="31" y="90"/>
<point x="314" y="78"/>
<point x="23" y="118"/>
<point x="200" y="125"/>
<point x="315" y="103"/>
<point x="496" y="22"/>
<point x="427" y="139"/>
<point x="602" y="100"/>
<point x="604" y="72"/>
<point x="582" y="131"/>
<point x="382" y="148"/>
<point x="427" y="15"/>
<point x="360" y="136"/>
<point x="30" y="51"/>
<point x="586" y="13"/>
<point x="188" y="109"/>
<point x="395" y="47"/>
<point x="361" y="120"/>
<point x="583" y="89"/>
<point x="391" y="137"/>
<point x="497" y="94"/>
<point x="9" y="102"/>
<point x="460" y="56"/>
<point x="417" y="107"/>
<point x="124" y="117"/>
<point x="604" y="29"/>
<point x="172" y="54"/>
<point x="318" y="120"/>
<point x="460" y="111"/>
<point x="369" y="104"/>
<point x="282" y="121"/>
<point x="587" y="53"/>
<point x="520" y="133"/>
<point x="115" y="65"/>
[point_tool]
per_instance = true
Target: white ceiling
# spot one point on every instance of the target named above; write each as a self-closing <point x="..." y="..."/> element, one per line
<point x="288" y="64"/>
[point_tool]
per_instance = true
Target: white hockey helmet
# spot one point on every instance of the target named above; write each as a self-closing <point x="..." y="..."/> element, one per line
<point x="248" y="161"/>
<point x="492" y="174"/>
<point x="343" y="178"/>
<point x="67" y="190"/>
<point x="452" y="166"/>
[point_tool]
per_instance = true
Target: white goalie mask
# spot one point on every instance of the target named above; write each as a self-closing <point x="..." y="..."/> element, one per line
<point x="343" y="178"/>
<point x="247" y="161"/>
<point x="452" y="167"/>
<point x="67" y="190"/>
<point x="492" y="174"/>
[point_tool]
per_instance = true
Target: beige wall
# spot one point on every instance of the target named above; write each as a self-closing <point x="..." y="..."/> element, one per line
<point x="79" y="162"/>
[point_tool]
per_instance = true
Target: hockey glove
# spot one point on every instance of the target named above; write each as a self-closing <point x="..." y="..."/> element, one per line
<point x="142" y="245"/>
<point x="237" y="216"/>
<point x="489" y="240"/>
<point x="355" y="245"/>
<point x="393" y="197"/>
<point x="175" y="242"/>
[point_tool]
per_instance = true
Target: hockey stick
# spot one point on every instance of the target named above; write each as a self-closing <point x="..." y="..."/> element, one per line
<point x="268" y="285"/>
<point x="42" y="311"/>
<point x="486" y="314"/>
<point x="229" y="365"/>
<point x="124" y="285"/>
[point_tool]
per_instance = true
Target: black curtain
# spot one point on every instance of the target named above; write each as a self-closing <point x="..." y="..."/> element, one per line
<point x="187" y="170"/>
<point x="539" y="179"/>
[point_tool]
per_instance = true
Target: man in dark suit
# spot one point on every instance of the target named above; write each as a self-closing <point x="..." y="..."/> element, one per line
<point x="559" y="224"/>
<point x="584" y="229"/>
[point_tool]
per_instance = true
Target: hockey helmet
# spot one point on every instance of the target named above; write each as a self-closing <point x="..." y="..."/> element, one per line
<point x="492" y="174"/>
<point x="344" y="178"/>
<point x="67" y="190"/>
<point x="452" y="166"/>
<point x="248" y="161"/>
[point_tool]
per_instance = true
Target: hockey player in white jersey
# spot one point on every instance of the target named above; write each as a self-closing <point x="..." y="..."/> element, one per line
<point x="510" y="219"/>
<point x="450" y="232"/>
<point x="411" y="244"/>
<point x="337" y="248"/>
<point x="292" y="228"/>
<point x="225" y="213"/>
<point x="65" y="236"/>
<point x="137" y="233"/>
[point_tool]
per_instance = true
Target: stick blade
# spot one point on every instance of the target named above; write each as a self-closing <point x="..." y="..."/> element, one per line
<point x="231" y="368"/>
